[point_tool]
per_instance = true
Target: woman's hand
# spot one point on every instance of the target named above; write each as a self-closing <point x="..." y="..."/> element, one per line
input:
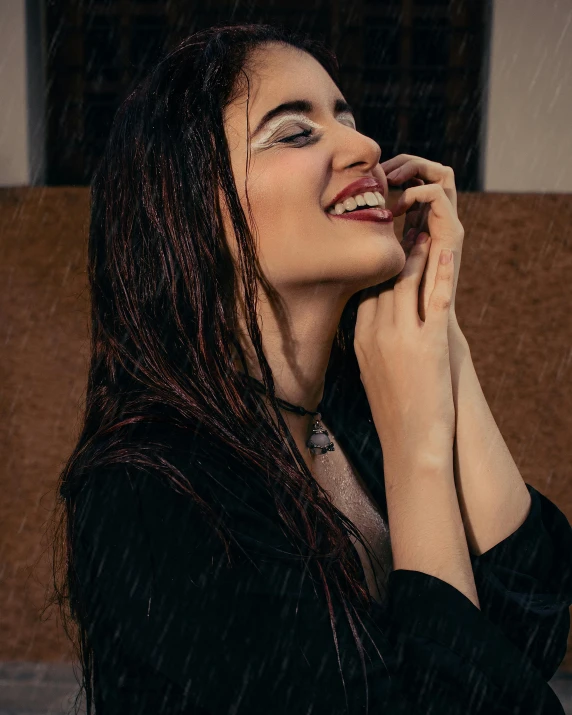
<point x="404" y="362"/>
<point x="429" y="207"/>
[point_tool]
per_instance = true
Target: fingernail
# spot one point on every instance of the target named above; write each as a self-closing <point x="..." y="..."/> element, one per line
<point x="446" y="255"/>
<point x="423" y="236"/>
<point x="393" y="174"/>
<point x="410" y="235"/>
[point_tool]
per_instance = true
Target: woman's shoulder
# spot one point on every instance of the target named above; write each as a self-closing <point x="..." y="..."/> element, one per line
<point x="149" y="453"/>
<point x="181" y="489"/>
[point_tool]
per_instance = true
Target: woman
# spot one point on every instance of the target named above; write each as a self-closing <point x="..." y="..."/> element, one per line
<point x="227" y="504"/>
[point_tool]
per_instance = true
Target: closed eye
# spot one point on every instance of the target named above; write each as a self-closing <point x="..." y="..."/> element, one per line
<point x="288" y="140"/>
<point x="304" y="134"/>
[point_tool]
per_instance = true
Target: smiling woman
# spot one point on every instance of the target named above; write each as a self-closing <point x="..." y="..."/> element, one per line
<point x="213" y="562"/>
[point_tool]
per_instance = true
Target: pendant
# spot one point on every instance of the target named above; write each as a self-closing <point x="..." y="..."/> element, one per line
<point x="319" y="441"/>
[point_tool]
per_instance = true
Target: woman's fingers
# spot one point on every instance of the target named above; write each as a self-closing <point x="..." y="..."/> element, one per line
<point x="406" y="288"/>
<point x="442" y="221"/>
<point x="438" y="200"/>
<point x="429" y="193"/>
<point x="444" y="228"/>
<point x="414" y="181"/>
<point x="424" y="169"/>
<point x="437" y="318"/>
<point x="416" y="216"/>
<point x="396" y="161"/>
<point x="398" y="299"/>
<point x="376" y="303"/>
<point x="404" y="167"/>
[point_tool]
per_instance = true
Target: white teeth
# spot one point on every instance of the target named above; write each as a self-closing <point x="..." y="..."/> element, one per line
<point x="369" y="198"/>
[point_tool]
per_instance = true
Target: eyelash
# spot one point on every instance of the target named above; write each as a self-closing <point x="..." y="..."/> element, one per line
<point x="303" y="134"/>
<point x="290" y="139"/>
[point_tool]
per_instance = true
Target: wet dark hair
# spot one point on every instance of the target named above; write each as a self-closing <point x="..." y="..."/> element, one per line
<point x="164" y="321"/>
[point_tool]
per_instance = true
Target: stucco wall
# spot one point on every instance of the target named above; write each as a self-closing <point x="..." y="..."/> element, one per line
<point x="513" y="304"/>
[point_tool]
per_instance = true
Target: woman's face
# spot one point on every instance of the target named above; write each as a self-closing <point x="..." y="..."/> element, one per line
<point x="291" y="183"/>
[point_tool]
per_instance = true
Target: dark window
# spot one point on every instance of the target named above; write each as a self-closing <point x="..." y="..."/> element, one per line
<point x="101" y="35"/>
<point x="411" y="68"/>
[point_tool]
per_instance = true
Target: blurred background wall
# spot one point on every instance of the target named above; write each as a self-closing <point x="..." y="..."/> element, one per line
<point x="527" y="139"/>
<point x="22" y="130"/>
<point x="484" y="87"/>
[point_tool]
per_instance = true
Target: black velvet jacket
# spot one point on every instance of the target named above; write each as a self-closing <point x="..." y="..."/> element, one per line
<point x="174" y="630"/>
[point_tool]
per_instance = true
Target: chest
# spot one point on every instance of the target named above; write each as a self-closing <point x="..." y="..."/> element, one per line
<point x="336" y="474"/>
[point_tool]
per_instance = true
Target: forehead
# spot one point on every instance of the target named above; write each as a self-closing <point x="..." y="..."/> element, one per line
<point x="276" y="74"/>
<point x="284" y="65"/>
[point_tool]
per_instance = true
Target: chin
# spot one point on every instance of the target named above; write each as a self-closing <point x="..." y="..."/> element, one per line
<point x="393" y="261"/>
<point x="391" y="266"/>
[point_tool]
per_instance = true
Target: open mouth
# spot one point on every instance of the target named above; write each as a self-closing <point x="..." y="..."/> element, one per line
<point x="358" y="201"/>
<point x="369" y="206"/>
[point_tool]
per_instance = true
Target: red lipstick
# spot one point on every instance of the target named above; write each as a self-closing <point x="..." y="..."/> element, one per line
<point x="372" y="214"/>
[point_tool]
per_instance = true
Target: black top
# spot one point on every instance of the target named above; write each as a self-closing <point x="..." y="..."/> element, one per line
<point x="174" y="630"/>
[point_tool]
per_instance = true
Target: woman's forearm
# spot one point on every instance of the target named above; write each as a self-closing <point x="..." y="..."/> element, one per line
<point x="427" y="532"/>
<point x="493" y="496"/>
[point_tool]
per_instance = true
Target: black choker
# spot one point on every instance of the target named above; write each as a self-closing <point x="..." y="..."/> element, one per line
<point x="319" y="440"/>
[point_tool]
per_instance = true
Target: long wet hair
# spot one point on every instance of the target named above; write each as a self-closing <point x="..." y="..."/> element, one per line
<point x="164" y="292"/>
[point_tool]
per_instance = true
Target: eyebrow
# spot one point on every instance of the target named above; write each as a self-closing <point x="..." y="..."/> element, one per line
<point x="299" y="105"/>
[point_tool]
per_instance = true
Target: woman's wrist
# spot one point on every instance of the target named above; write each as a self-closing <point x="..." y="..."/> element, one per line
<point x="431" y="455"/>
<point x="458" y="344"/>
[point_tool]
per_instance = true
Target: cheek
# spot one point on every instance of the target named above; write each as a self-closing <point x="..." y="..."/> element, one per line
<point x="291" y="186"/>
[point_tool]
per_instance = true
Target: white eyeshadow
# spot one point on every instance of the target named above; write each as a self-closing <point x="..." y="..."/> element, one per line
<point x="275" y="124"/>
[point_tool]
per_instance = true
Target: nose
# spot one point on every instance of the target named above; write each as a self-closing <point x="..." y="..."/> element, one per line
<point x="354" y="149"/>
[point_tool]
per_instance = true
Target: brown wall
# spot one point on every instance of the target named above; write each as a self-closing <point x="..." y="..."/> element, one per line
<point x="514" y="304"/>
